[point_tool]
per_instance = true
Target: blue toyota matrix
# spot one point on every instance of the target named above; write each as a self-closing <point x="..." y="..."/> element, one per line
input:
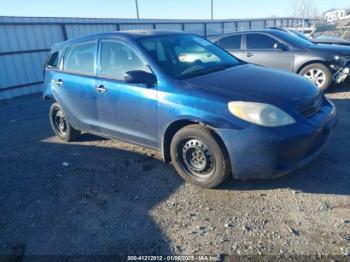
<point x="207" y="112"/>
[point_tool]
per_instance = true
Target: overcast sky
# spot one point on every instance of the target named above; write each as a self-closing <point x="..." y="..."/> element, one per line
<point x="185" y="9"/>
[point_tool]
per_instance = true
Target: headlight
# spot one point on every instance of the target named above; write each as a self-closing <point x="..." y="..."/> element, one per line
<point x="260" y="113"/>
<point x="341" y="60"/>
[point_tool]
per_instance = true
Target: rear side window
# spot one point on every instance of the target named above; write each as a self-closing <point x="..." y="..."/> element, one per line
<point x="52" y="61"/>
<point x="260" y="41"/>
<point x="231" y="42"/>
<point x="81" y="58"/>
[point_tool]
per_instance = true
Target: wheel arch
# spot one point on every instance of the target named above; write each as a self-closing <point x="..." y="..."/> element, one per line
<point x="174" y="127"/>
<point x="48" y="95"/>
<point x="301" y="67"/>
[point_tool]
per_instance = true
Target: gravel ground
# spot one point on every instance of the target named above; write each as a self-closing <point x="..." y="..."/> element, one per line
<point x="97" y="196"/>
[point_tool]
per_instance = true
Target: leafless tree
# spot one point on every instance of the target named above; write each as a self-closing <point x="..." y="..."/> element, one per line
<point x="303" y="8"/>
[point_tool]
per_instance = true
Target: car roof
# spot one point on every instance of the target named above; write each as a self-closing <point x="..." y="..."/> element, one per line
<point x="273" y="31"/>
<point x="126" y="35"/>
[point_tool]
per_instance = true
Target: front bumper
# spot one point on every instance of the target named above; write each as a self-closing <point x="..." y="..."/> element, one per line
<point x="341" y="75"/>
<point x="261" y="152"/>
<point x="341" y="69"/>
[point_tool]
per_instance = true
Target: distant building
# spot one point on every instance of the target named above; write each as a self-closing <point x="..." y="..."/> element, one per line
<point x="336" y="15"/>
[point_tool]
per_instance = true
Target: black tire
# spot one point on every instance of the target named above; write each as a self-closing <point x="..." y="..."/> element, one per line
<point x="199" y="156"/>
<point x="60" y="124"/>
<point x="317" y="67"/>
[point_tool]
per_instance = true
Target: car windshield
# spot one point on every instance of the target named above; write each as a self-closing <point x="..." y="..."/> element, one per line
<point x="301" y="35"/>
<point x="295" y="40"/>
<point x="187" y="56"/>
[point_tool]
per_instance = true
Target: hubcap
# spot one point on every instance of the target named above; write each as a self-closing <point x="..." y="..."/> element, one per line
<point x="196" y="158"/>
<point x="60" y="122"/>
<point x="316" y="76"/>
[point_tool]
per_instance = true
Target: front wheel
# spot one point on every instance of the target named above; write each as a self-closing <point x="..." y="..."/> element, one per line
<point x="319" y="74"/>
<point x="60" y="124"/>
<point x="199" y="157"/>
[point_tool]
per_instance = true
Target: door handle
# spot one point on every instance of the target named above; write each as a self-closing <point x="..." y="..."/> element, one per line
<point x="59" y="82"/>
<point x="249" y="54"/>
<point x="101" y="89"/>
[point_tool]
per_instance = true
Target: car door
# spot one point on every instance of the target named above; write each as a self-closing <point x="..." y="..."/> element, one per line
<point x="125" y="111"/>
<point x="233" y="44"/>
<point x="75" y="85"/>
<point x="263" y="49"/>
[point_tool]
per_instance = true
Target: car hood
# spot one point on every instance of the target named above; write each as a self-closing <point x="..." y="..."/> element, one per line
<point x="330" y="41"/>
<point x="331" y="48"/>
<point x="257" y="84"/>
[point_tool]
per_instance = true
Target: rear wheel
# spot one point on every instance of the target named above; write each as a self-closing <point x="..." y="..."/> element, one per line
<point x="199" y="156"/>
<point x="319" y="74"/>
<point x="60" y="124"/>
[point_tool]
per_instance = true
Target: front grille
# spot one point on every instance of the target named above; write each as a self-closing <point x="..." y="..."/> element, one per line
<point x="311" y="107"/>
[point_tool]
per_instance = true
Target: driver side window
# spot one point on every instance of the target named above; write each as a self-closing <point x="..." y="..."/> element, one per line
<point x="117" y="59"/>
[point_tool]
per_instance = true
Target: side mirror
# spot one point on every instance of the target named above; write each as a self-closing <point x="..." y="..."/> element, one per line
<point x="280" y="46"/>
<point x="140" y="77"/>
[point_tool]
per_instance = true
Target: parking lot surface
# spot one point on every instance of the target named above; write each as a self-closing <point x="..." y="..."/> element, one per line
<point x="102" y="197"/>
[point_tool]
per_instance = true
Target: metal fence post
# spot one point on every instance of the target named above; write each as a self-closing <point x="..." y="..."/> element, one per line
<point x="64" y="31"/>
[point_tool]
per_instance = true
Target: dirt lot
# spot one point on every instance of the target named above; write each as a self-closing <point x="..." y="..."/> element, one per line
<point x="97" y="196"/>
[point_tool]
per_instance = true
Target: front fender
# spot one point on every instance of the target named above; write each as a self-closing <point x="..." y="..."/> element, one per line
<point x="304" y="60"/>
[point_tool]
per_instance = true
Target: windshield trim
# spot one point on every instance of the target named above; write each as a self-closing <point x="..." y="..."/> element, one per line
<point x="293" y="39"/>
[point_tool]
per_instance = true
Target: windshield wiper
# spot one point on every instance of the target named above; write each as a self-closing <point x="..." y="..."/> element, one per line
<point x="205" y="71"/>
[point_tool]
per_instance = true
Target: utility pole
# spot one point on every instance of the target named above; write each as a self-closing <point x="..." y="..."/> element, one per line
<point x="137" y="9"/>
<point x="212" y="9"/>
